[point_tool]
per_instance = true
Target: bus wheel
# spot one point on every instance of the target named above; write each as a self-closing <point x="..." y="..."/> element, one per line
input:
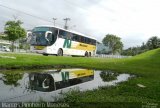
<point x="45" y="54"/>
<point x="86" y="54"/>
<point x="60" y="52"/>
<point x="89" y="54"/>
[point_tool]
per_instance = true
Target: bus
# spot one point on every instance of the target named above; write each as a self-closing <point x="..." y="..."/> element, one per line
<point x="51" y="40"/>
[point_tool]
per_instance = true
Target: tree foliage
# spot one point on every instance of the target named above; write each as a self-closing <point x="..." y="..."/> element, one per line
<point x="14" y="31"/>
<point x="113" y="42"/>
<point x="132" y="51"/>
<point x="153" y="42"/>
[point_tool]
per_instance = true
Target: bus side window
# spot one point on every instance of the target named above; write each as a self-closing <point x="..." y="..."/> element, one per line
<point x="62" y="34"/>
<point x="54" y="35"/>
<point x="82" y="39"/>
<point x="78" y="38"/>
<point x="49" y="37"/>
<point x="74" y="37"/>
<point x="90" y="41"/>
<point x="93" y="42"/>
<point x="55" y="32"/>
<point x="69" y="35"/>
<point x="87" y="40"/>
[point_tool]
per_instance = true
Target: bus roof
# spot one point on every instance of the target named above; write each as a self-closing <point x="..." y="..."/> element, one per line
<point x="78" y="33"/>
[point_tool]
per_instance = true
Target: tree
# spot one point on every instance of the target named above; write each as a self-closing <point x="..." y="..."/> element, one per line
<point x="3" y="36"/>
<point x="113" y="42"/>
<point x="153" y="42"/>
<point x="14" y="31"/>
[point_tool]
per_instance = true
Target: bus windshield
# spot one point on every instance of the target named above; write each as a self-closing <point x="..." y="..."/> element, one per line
<point x="38" y="38"/>
<point x="43" y="36"/>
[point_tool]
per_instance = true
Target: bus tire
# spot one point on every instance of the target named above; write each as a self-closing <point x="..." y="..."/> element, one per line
<point x="89" y="54"/>
<point x="45" y="54"/>
<point x="86" y="54"/>
<point x="60" y="52"/>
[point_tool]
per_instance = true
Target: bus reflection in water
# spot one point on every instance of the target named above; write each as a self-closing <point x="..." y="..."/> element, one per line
<point x="54" y="80"/>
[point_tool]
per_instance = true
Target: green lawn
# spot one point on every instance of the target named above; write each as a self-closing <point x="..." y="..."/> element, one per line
<point x="146" y="66"/>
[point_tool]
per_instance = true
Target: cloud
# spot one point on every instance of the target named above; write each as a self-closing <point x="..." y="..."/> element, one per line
<point x="133" y="20"/>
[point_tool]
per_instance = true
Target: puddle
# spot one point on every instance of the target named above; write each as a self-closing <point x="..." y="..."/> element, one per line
<point x="50" y="84"/>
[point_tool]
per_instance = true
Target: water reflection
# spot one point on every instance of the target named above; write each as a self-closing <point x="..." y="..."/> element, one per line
<point x="49" y="84"/>
<point x="55" y="80"/>
<point x="11" y="78"/>
<point x="108" y="76"/>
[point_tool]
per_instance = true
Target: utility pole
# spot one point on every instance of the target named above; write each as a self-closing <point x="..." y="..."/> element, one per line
<point x="15" y="17"/>
<point x="66" y="20"/>
<point x="17" y="43"/>
<point x="54" y="19"/>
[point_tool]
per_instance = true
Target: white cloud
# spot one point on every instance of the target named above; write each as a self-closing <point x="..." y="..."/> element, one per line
<point x="133" y="20"/>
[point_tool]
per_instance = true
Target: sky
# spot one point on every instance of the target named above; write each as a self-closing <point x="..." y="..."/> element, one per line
<point x="134" y="21"/>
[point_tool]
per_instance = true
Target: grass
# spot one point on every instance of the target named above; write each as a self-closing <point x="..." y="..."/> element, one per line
<point x="146" y="66"/>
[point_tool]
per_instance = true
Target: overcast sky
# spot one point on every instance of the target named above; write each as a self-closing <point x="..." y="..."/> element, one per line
<point x="133" y="20"/>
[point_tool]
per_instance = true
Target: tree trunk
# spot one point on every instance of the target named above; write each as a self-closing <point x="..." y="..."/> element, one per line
<point x="112" y="51"/>
<point x="12" y="46"/>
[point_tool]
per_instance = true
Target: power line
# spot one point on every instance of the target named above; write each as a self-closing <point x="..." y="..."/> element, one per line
<point x="2" y="22"/>
<point x="75" y="5"/>
<point x="24" y="13"/>
<point x="102" y="6"/>
<point x="15" y="18"/>
<point x="86" y="10"/>
<point x="37" y="17"/>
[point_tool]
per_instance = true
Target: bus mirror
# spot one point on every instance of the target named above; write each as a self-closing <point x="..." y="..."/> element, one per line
<point x="48" y="33"/>
<point x="29" y="36"/>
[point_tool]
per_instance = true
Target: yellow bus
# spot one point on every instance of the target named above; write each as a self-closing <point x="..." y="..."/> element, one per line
<point x="51" y="40"/>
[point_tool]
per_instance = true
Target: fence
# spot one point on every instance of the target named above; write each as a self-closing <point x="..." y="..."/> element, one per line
<point x="110" y="56"/>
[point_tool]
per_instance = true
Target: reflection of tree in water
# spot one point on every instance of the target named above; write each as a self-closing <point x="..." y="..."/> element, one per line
<point x="12" y="78"/>
<point x="108" y="76"/>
